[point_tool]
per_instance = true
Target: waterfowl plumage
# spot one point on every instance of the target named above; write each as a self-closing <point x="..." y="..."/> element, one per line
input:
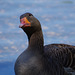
<point x="34" y="60"/>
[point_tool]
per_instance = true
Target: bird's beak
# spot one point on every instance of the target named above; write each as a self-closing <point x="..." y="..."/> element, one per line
<point x="24" y="23"/>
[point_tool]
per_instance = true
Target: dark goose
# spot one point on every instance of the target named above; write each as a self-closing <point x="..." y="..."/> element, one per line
<point x="34" y="60"/>
<point x="63" y="53"/>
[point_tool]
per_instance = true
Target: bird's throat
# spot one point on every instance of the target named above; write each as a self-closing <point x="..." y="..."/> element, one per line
<point x="36" y="40"/>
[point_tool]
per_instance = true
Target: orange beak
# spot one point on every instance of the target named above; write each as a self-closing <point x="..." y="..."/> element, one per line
<point x="24" y="23"/>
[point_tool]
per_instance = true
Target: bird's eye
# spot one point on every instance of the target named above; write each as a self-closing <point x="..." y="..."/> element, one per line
<point x="30" y="15"/>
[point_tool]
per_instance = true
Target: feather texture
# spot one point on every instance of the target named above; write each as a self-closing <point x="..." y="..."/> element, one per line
<point x="63" y="53"/>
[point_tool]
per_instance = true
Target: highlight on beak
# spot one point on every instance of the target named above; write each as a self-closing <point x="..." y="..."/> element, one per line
<point x="24" y="23"/>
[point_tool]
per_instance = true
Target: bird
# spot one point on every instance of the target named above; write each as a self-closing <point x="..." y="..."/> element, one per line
<point x="34" y="60"/>
<point x="63" y="53"/>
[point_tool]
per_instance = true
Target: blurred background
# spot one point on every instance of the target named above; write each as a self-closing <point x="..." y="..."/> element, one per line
<point x="57" y="18"/>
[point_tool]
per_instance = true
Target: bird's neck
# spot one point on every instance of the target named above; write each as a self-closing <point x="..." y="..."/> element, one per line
<point x="36" y="41"/>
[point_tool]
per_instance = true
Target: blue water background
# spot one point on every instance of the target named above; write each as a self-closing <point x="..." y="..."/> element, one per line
<point x="57" y="18"/>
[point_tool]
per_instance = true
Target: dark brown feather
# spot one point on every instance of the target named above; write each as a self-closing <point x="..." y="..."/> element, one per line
<point x="62" y="52"/>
